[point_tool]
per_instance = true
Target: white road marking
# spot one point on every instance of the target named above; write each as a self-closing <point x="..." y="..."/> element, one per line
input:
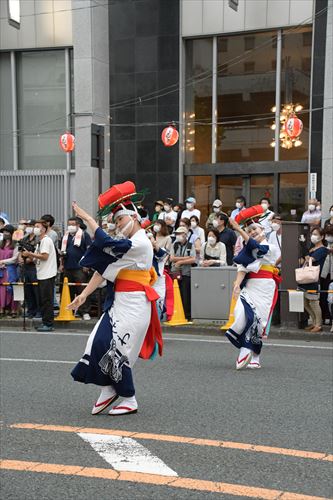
<point x="126" y="454"/>
<point x="40" y="361"/>
<point x="175" y="336"/>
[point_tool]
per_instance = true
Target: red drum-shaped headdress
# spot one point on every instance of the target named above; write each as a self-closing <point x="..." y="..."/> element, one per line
<point x="124" y="194"/>
<point x="250" y="214"/>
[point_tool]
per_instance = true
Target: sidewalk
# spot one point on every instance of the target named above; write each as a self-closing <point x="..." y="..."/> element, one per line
<point x="194" y="329"/>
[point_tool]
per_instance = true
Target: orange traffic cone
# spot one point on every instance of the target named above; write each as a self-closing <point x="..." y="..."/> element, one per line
<point x="64" y="313"/>
<point x="231" y="314"/>
<point x="178" y="317"/>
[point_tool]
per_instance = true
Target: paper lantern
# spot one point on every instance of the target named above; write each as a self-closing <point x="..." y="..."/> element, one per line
<point x="293" y="127"/>
<point x="170" y="136"/>
<point x="67" y="142"/>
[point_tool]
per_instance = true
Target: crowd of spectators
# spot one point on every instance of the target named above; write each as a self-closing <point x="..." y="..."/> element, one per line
<point x="34" y="252"/>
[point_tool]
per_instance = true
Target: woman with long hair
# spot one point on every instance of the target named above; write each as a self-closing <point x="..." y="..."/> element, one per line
<point x="8" y="271"/>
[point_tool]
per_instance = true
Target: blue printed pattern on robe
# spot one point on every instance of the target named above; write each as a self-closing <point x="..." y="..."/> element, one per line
<point x="251" y="252"/>
<point x="251" y="335"/>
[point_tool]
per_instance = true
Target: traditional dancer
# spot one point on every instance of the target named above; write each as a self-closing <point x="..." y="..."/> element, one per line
<point x="256" y="291"/>
<point x="129" y="326"/>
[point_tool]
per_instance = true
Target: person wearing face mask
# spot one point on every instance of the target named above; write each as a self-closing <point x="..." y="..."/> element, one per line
<point x="197" y="231"/>
<point x="318" y="253"/>
<point x="46" y="264"/>
<point x="8" y="271"/>
<point x="256" y="295"/>
<point x="275" y="238"/>
<point x="29" y="272"/>
<point x="266" y="222"/>
<point x="213" y="252"/>
<point x="182" y="258"/>
<point x="162" y="236"/>
<point x="240" y="205"/>
<point x="217" y="209"/>
<point x="130" y="325"/>
<point x="311" y="215"/>
<point x="159" y="205"/>
<point x="326" y="276"/>
<point x="328" y="224"/>
<point x="190" y="209"/>
<point x="74" y="245"/>
<point x="227" y="235"/>
<point x="168" y="215"/>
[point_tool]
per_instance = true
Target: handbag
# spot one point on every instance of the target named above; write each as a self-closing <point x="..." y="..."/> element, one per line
<point x="307" y="274"/>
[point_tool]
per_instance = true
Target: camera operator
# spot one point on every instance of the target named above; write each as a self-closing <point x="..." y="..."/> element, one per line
<point x="28" y="270"/>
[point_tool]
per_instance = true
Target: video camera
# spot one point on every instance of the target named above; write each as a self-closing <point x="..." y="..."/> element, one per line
<point x="25" y="245"/>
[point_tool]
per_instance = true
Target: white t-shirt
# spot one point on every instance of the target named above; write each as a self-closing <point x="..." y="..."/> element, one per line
<point x="187" y="214"/>
<point x="171" y="215"/>
<point x="46" y="268"/>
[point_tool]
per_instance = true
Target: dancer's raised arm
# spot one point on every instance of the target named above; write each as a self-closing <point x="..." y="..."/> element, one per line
<point x="85" y="217"/>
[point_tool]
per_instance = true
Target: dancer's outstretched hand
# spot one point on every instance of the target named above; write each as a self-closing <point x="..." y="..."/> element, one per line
<point x="80" y="212"/>
<point x="77" y="302"/>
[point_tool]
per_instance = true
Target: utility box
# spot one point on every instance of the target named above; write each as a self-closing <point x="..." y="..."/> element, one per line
<point x="211" y="290"/>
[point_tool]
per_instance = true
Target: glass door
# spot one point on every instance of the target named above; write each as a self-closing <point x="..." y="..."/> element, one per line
<point x="261" y="186"/>
<point x="228" y="188"/>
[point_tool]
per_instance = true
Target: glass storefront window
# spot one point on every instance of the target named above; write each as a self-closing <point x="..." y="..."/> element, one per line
<point x="228" y="188"/>
<point x="198" y="101"/>
<point x="245" y="92"/>
<point x="295" y="84"/>
<point x="6" y="122"/>
<point x="293" y="190"/>
<point x="200" y="186"/>
<point x="261" y="186"/>
<point x="41" y="96"/>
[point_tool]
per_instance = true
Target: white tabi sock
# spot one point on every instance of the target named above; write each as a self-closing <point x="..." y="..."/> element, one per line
<point x="255" y="359"/>
<point x="107" y="392"/>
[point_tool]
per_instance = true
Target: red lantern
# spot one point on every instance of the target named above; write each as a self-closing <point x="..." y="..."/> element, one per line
<point x="293" y="127"/>
<point x="67" y="142"/>
<point x="170" y="136"/>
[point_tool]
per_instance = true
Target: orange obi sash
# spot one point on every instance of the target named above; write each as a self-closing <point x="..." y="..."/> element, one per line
<point x="140" y="281"/>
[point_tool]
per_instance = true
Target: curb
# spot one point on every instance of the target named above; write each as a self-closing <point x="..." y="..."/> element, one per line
<point x="189" y="329"/>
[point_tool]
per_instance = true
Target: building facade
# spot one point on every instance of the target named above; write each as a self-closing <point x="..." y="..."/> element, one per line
<point x="115" y="73"/>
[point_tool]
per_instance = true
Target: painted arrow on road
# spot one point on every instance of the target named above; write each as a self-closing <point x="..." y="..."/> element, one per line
<point x="126" y="454"/>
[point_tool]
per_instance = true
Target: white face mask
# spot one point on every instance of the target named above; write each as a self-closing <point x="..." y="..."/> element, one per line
<point x="72" y="229"/>
<point x="216" y="210"/>
<point x="275" y="226"/>
<point x="111" y="226"/>
<point x="166" y="208"/>
<point x="238" y="205"/>
<point x="211" y="240"/>
<point x="331" y="213"/>
<point x="1" y="236"/>
<point x="193" y="224"/>
<point x="21" y="227"/>
<point x="179" y="238"/>
<point x="329" y="239"/>
<point x="215" y="223"/>
<point x="311" y="207"/>
<point x="189" y="206"/>
<point x="264" y="206"/>
<point x="37" y="231"/>
<point x="29" y="230"/>
<point x="315" y="239"/>
<point x="157" y="228"/>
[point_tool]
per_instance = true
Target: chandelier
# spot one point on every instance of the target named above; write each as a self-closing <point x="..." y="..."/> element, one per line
<point x="290" y="126"/>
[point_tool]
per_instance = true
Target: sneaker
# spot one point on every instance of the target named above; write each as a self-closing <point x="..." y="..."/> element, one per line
<point x="45" y="328"/>
<point x="86" y="317"/>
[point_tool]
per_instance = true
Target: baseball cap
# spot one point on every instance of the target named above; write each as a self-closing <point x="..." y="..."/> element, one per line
<point x="31" y="222"/>
<point x="217" y="203"/>
<point x="181" y="230"/>
<point x="191" y="199"/>
<point x="8" y="228"/>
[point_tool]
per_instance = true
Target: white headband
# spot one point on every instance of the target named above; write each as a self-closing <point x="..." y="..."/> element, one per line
<point x="126" y="211"/>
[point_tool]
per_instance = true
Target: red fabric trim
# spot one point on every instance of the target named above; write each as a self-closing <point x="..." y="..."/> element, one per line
<point x="154" y="332"/>
<point x="169" y="296"/>
<point x="123" y="408"/>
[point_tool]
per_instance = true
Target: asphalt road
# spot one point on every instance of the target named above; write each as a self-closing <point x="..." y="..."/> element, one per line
<point x="281" y="412"/>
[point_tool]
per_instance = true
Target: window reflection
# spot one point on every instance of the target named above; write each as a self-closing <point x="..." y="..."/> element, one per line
<point x="261" y="186"/>
<point x="41" y="109"/>
<point x="228" y="188"/>
<point x="198" y="109"/>
<point x="200" y="186"/>
<point x="295" y="84"/>
<point x="292" y="195"/>
<point x="245" y="91"/>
